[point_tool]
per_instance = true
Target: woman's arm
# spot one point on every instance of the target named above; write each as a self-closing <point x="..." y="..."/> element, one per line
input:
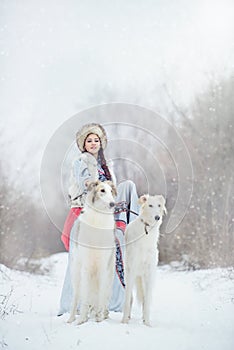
<point x="81" y="174"/>
<point x="84" y="169"/>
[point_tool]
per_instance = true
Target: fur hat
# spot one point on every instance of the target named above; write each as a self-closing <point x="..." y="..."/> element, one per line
<point x="87" y="129"/>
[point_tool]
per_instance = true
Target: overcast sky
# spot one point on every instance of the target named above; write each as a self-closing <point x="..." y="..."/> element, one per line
<point x="59" y="57"/>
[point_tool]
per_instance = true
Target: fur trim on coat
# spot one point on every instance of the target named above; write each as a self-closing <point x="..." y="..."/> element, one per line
<point x="87" y="165"/>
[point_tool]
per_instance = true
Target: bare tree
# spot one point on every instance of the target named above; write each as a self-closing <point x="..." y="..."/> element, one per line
<point x="205" y="237"/>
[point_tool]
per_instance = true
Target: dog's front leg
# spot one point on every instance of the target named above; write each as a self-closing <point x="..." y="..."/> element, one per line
<point x="84" y="310"/>
<point x="100" y="307"/>
<point x="147" y="296"/>
<point x="105" y="282"/>
<point x="75" y="269"/>
<point x="128" y="299"/>
<point x="85" y="296"/>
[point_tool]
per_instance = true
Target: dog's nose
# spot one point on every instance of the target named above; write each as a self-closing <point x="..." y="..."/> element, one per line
<point x="112" y="204"/>
<point x="157" y="217"/>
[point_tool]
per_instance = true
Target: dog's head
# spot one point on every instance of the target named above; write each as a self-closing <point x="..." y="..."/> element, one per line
<point x="101" y="195"/>
<point x="152" y="208"/>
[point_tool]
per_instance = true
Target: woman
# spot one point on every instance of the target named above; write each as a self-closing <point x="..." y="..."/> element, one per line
<point x="91" y="166"/>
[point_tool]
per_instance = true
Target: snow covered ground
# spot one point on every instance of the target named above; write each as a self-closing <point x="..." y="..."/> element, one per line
<point x="191" y="310"/>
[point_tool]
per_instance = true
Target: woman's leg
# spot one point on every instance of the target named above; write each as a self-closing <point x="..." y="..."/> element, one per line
<point x="117" y="297"/>
<point x="66" y="295"/>
<point x="126" y="191"/>
<point x="67" y="290"/>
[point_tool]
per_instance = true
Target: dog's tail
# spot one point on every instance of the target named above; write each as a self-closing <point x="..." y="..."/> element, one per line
<point x="139" y="290"/>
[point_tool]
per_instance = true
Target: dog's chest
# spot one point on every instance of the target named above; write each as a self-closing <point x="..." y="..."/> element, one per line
<point x="92" y="237"/>
<point x="147" y="247"/>
<point x="146" y="254"/>
<point x="98" y="220"/>
<point x="142" y="245"/>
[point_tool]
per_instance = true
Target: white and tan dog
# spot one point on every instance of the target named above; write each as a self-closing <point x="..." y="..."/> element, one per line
<point x="93" y="255"/>
<point x="141" y="255"/>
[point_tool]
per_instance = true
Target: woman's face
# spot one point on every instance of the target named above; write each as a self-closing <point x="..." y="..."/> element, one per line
<point x="92" y="144"/>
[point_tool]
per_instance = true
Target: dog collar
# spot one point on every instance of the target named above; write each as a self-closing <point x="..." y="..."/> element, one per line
<point x="146" y="225"/>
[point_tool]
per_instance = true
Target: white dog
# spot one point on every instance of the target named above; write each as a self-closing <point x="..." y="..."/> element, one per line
<point x="141" y="255"/>
<point x="93" y="256"/>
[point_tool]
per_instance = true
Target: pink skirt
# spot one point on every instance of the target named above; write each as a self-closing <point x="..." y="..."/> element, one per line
<point x="72" y="216"/>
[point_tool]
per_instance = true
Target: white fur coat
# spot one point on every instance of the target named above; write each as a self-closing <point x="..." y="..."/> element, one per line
<point x="84" y="168"/>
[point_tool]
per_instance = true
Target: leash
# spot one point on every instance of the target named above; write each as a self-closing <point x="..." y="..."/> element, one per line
<point x="74" y="199"/>
<point x="122" y="207"/>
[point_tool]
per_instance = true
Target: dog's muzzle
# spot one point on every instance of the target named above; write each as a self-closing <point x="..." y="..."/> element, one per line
<point x="157" y="217"/>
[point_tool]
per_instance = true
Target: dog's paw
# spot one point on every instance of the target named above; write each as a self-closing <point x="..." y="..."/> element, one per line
<point x="71" y="319"/>
<point x="82" y="320"/>
<point x="106" y="314"/>
<point x="147" y="323"/>
<point x="125" y="319"/>
<point x="99" y="318"/>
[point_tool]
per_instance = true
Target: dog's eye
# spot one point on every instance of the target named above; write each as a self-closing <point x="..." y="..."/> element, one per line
<point x="159" y="205"/>
<point x="150" y="205"/>
<point x="102" y="190"/>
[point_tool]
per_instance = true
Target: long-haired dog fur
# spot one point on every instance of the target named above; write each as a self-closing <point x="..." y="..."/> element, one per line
<point x="141" y="255"/>
<point x="93" y="255"/>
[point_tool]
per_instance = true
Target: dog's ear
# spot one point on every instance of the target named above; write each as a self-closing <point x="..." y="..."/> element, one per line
<point x="163" y="203"/>
<point x="91" y="184"/>
<point x="113" y="188"/>
<point x="143" y="199"/>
